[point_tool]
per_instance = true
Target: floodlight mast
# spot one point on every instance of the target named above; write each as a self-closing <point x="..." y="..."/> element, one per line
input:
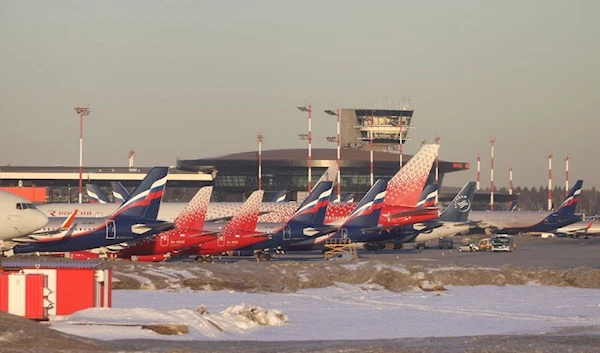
<point x="81" y="111"/>
<point x="308" y="109"/>
<point x="330" y="138"/>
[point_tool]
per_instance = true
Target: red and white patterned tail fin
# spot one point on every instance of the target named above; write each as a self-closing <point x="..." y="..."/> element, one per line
<point x="193" y="214"/>
<point x="247" y="216"/>
<point x="329" y="175"/>
<point x="405" y="188"/>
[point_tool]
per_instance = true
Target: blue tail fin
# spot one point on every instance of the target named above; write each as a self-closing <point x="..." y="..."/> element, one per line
<point x="120" y="194"/>
<point x="512" y="206"/>
<point x="280" y="196"/>
<point x="314" y="207"/>
<point x="428" y="196"/>
<point x="366" y="213"/>
<point x="458" y="209"/>
<point x="95" y="194"/>
<point x="348" y="198"/>
<point x="568" y="206"/>
<point x="144" y="201"/>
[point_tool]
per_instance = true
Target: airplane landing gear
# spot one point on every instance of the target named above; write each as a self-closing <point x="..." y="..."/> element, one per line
<point x="204" y="258"/>
<point x="263" y="256"/>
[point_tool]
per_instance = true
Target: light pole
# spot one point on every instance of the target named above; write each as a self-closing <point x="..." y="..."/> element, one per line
<point x="550" y="181"/>
<point x="337" y="139"/>
<point x="566" y="176"/>
<point x="259" y="139"/>
<point x="82" y="111"/>
<point x="492" y="141"/>
<point x="309" y="138"/>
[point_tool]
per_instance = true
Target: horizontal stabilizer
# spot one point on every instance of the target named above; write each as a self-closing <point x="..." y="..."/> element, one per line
<point x="228" y="218"/>
<point x="144" y="228"/>
<point x="416" y="211"/>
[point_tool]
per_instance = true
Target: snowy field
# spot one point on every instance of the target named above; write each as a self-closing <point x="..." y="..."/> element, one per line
<point x="342" y="312"/>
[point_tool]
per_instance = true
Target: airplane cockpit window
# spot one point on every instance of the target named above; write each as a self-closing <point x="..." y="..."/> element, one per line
<point x="24" y="206"/>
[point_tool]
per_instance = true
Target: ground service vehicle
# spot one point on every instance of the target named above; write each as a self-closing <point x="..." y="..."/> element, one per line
<point x="468" y="245"/>
<point x="502" y="242"/>
<point x="485" y="244"/>
<point x="446" y="243"/>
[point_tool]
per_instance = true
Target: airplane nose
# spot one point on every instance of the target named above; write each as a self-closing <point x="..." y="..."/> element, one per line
<point x="41" y="220"/>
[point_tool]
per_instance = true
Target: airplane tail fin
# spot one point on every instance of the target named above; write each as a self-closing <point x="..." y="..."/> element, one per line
<point x="458" y="210"/>
<point x="512" y="206"/>
<point x="144" y="201"/>
<point x="314" y="207"/>
<point x="95" y="194"/>
<point x="428" y="196"/>
<point x="120" y="194"/>
<point x="246" y="217"/>
<point x="405" y="188"/>
<point x="568" y="206"/>
<point x="280" y="196"/>
<point x="193" y="215"/>
<point x="348" y="198"/>
<point x="366" y="213"/>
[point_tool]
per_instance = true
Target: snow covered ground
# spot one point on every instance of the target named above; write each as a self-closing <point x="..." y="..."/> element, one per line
<point x="343" y="312"/>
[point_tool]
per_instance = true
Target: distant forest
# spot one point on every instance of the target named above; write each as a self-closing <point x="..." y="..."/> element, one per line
<point x="536" y="199"/>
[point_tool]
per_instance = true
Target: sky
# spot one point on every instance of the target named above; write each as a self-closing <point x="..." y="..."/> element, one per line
<point x="195" y="79"/>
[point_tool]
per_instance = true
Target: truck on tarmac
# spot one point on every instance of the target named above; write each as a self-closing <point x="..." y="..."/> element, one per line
<point x="502" y="242"/>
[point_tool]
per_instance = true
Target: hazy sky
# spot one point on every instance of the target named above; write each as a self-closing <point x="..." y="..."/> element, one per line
<point x="195" y="79"/>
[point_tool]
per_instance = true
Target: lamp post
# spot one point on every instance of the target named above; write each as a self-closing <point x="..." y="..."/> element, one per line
<point x="308" y="109"/>
<point x="259" y="139"/>
<point x="82" y="111"/>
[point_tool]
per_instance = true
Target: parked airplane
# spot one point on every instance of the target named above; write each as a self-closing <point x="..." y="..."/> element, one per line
<point x="19" y="218"/>
<point x="581" y="229"/>
<point x="95" y="194"/>
<point x="260" y="237"/>
<point x="400" y="208"/>
<point x="515" y="222"/>
<point x="188" y="232"/>
<point x="452" y="221"/>
<point x="359" y="226"/>
<point x="133" y="220"/>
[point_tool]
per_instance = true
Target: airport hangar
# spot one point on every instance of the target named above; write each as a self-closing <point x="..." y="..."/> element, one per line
<point x="235" y="176"/>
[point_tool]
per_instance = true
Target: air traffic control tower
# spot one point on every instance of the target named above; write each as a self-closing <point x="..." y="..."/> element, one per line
<point x="387" y="127"/>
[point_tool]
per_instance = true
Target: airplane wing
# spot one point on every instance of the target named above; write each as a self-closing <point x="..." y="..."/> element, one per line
<point x="66" y="226"/>
<point x="40" y="238"/>
<point x="160" y="227"/>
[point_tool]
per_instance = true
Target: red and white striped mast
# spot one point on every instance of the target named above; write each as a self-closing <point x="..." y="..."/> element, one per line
<point x="478" y="172"/>
<point x="259" y="139"/>
<point x="567" y="176"/>
<point x="437" y="162"/>
<point x="338" y="140"/>
<point x="510" y="180"/>
<point x="400" y="150"/>
<point x="492" y="175"/>
<point x="550" y="182"/>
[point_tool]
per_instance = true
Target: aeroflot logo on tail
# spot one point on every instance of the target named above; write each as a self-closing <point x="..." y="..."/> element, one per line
<point x="54" y="213"/>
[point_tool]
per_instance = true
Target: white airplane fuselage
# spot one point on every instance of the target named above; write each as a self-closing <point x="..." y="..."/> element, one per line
<point x="448" y="229"/>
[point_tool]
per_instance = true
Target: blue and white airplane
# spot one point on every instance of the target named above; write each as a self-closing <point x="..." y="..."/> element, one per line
<point x="133" y="220"/>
